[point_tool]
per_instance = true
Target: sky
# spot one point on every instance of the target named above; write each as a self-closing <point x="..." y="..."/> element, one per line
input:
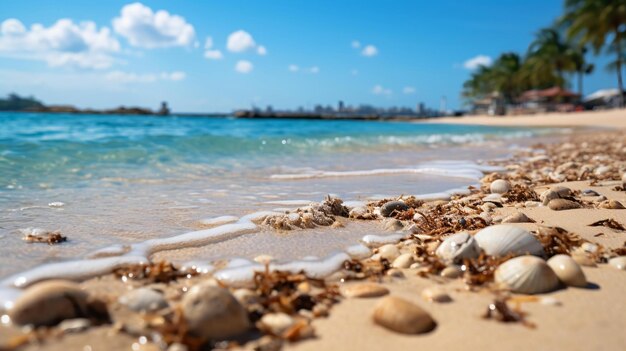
<point x="218" y="56"/>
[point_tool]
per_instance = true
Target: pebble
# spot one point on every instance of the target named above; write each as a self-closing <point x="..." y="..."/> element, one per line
<point x="618" y="262"/>
<point x="611" y="205"/>
<point x="403" y="261"/>
<point x="589" y="192"/>
<point x="361" y="290"/>
<point x="402" y="316"/>
<point x="396" y="273"/>
<point x="435" y="294"/>
<point x="276" y="323"/>
<point x="392" y="225"/>
<point x="48" y="303"/>
<point x="389" y="207"/>
<point x="562" y="204"/>
<point x="358" y="212"/>
<point x="212" y="312"/>
<point x="246" y="296"/>
<point x="389" y="252"/>
<point x="143" y="300"/>
<point x="74" y="325"/>
<point x="517" y="217"/>
<point x="567" y="270"/>
<point x="452" y="272"/>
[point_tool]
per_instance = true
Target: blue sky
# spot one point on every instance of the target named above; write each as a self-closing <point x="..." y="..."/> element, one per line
<point x="286" y="53"/>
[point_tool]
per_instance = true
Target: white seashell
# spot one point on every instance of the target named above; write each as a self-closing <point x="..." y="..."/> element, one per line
<point x="500" y="186"/>
<point x="618" y="262"/>
<point x="402" y="316"/>
<point x="457" y="247"/>
<point x="501" y="240"/>
<point x="435" y="294"/>
<point x="403" y="261"/>
<point x="527" y="275"/>
<point x="568" y="271"/>
<point x="389" y="252"/>
<point x="363" y="290"/>
<point x="494" y="198"/>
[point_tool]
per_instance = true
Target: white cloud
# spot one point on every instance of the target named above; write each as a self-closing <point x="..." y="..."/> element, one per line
<point x="314" y="70"/>
<point x="65" y="43"/>
<point x="244" y="66"/>
<point x="129" y="77"/>
<point x="145" y="28"/>
<point x="380" y="90"/>
<point x="293" y="68"/>
<point x="261" y="50"/>
<point x="240" y="41"/>
<point x="369" y="51"/>
<point x="477" y="61"/>
<point x="408" y="90"/>
<point x="213" y="55"/>
<point x="208" y="43"/>
<point x="356" y="44"/>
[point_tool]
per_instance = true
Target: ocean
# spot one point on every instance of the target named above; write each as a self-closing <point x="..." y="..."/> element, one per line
<point x="117" y="181"/>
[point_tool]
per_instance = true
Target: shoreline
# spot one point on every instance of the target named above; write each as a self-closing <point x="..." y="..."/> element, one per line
<point x="351" y="316"/>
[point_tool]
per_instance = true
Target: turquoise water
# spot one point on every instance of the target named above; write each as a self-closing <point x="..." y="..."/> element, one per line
<point x="124" y="179"/>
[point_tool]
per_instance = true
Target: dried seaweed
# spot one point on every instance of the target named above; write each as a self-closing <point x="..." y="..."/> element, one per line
<point x="500" y="311"/>
<point x="609" y="223"/>
<point x="556" y="240"/>
<point x="480" y="270"/>
<point x="158" y="272"/>
<point x="521" y="193"/>
<point x="50" y="238"/>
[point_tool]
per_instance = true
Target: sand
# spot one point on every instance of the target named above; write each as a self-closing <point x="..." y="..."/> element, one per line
<point x="606" y="119"/>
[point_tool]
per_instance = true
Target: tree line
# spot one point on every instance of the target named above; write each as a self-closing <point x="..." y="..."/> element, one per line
<point x="557" y="53"/>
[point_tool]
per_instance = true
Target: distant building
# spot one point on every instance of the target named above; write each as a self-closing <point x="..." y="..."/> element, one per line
<point x="551" y="99"/>
<point x="340" y="106"/>
<point x="269" y="109"/>
<point x="164" y="110"/>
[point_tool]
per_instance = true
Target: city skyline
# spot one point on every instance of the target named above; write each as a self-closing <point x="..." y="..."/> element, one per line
<point x="204" y="57"/>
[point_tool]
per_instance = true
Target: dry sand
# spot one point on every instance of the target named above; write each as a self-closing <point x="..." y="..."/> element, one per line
<point x="605" y="119"/>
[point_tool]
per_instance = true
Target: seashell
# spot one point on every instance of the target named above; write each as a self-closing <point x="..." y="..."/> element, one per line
<point x="562" y="191"/>
<point x="458" y="246"/>
<point x="589" y="248"/>
<point x="389" y="207"/>
<point x="548" y="196"/>
<point x="212" y="312"/>
<point x="496" y="199"/>
<point x="611" y="205"/>
<point x="403" y="261"/>
<point x="435" y="294"/>
<point x="143" y="300"/>
<point x="562" y="204"/>
<point x="502" y="240"/>
<point x="583" y="260"/>
<point x="602" y="170"/>
<point x="48" y="303"/>
<point x="517" y="217"/>
<point x="362" y="290"/>
<point x="452" y="272"/>
<point x="527" y="275"/>
<point x="488" y="206"/>
<point x="358" y="212"/>
<point x="402" y="316"/>
<point x="74" y="325"/>
<point x="392" y="225"/>
<point x="618" y="262"/>
<point x="389" y="252"/>
<point x="532" y="204"/>
<point x="568" y="271"/>
<point x="589" y="192"/>
<point x="500" y="186"/>
<point x="276" y="323"/>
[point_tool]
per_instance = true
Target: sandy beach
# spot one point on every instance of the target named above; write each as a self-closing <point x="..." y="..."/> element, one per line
<point x="297" y="311"/>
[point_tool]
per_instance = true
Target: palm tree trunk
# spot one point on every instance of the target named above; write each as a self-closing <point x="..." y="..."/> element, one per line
<point x="618" y="49"/>
<point x="580" y="83"/>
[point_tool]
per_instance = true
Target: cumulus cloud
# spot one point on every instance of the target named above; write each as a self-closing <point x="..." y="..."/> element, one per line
<point x="244" y="66"/>
<point x="240" y="41"/>
<point x="261" y="50"/>
<point x="65" y="43"/>
<point x="380" y="90"/>
<point x="408" y="90"/>
<point x="129" y="77"/>
<point x="369" y="51"/>
<point x="213" y="55"/>
<point x="356" y="44"/>
<point x="145" y="28"/>
<point x="477" y="61"/>
<point x="293" y="68"/>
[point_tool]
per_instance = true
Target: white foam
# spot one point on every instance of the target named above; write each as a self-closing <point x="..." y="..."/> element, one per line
<point x="218" y="220"/>
<point x="358" y="251"/>
<point x="290" y="202"/>
<point x="372" y="240"/>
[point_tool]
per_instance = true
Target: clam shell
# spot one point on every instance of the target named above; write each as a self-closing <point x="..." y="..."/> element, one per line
<point x="562" y="204"/>
<point x="568" y="271"/>
<point x="618" y="262"/>
<point x="363" y="290"/>
<point x="500" y="186"/>
<point x="458" y="246"/>
<point x="501" y="240"/>
<point x="494" y="198"/>
<point x="527" y="275"/>
<point x="402" y="316"/>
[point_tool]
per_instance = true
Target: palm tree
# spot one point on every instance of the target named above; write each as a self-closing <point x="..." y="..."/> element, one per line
<point x="550" y="57"/>
<point x="506" y="76"/>
<point x="595" y="22"/>
<point x="581" y="65"/>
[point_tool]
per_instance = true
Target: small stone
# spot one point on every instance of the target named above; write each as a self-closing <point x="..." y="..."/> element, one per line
<point x="562" y="204"/>
<point x="276" y="323"/>
<point x="74" y="325"/>
<point x="435" y="294"/>
<point x="246" y="296"/>
<point x="143" y="300"/>
<point x="212" y="312"/>
<point x="392" y="225"/>
<point x="402" y="316"/>
<point x="517" y="217"/>
<point x="618" y="262"/>
<point x="403" y="261"/>
<point x="611" y="205"/>
<point x="589" y="192"/>
<point x="457" y="247"/>
<point x="358" y="213"/>
<point x="568" y="271"/>
<point x="396" y="273"/>
<point x="452" y="272"/>
<point x="362" y="290"/>
<point x="387" y="209"/>
<point x="48" y="303"/>
<point x="389" y="252"/>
